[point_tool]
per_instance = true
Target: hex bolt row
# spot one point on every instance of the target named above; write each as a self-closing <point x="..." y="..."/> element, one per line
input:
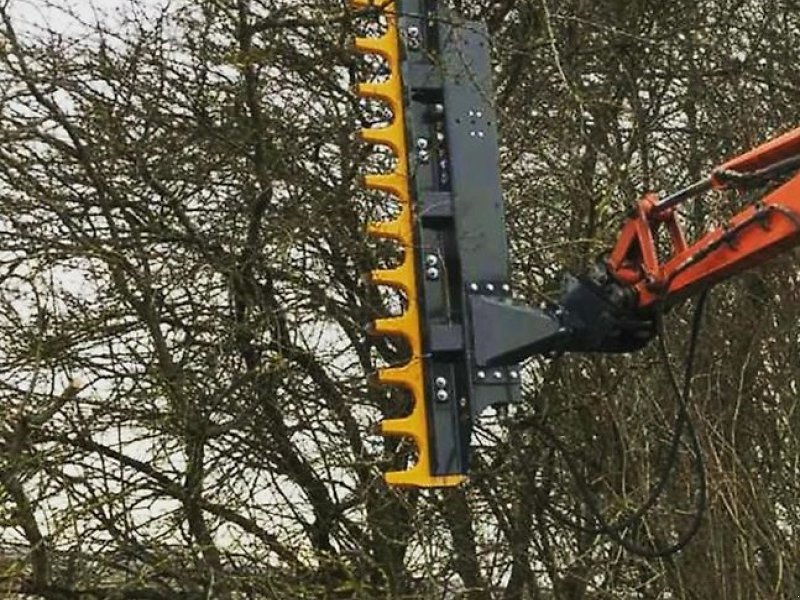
<point x="497" y="374"/>
<point x="490" y="287"/>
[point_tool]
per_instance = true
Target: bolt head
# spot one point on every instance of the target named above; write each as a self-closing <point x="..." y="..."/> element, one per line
<point x="498" y="374"/>
<point x="513" y="374"/>
<point x="506" y="287"/>
<point x="439" y="136"/>
<point x="473" y="287"/>
<point x="440" y="382"/>
<point x="413" y="36"/>
<point x="489" y="287"/>
<point x="481" y="374"/>
<point x="422" y="143"/>
<point x="442" y="396"/>
<point x="432" y="273"/>
<point x="424" y="156"/>
<point x="438" y="108"/>
<point x="479" y="114"/>
<point x="431" y="260"/>
<point x="462" y="402"/>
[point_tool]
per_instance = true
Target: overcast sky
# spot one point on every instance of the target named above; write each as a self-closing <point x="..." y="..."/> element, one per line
<point x="52" y="14"/>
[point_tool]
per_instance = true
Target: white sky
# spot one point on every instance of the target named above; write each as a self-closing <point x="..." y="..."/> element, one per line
<point x="54" y="14"/>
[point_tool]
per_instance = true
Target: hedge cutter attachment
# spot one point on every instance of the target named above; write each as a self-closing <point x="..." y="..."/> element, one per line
<point x="451" y="228"/>
<point x="466" y="336"/>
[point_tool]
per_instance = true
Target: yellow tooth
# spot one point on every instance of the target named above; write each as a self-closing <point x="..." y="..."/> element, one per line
<point x="410" y="375"/>
<point x="391" y="136"/>
<point x="401" y="277"/>
<point x="393" y="183"/>
<point x="387" y="229"/>
<point x="382" y="91"/>
<point x="383" y="45"/>
<point x="403" y="375"/>
<point x="365" y="3"/>
<point x="419" y="476"/>
<point x="395" y="325"/>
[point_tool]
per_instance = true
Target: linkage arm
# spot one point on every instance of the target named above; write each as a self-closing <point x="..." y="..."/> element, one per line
<point x="766" y="227"/>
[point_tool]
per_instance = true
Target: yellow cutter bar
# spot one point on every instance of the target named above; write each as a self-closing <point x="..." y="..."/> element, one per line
<point x="410" y="375"/>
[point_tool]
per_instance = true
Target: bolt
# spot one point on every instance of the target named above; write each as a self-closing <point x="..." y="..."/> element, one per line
<point x="431" y="260"/>
<point x="424" y="156"/>
<point x="498" y="375"/>
<point x="471" y="134"/>
<point x="481" y="374"/>
<point x="506" y="287"/>
<point x="439" y="136"/>
<point x="462" y="402"/>
<point x="480" y="134"/>
<point x="472" y="113"/>
<point x="413" y="37"/>
<point x="422" y="143"/>
<point x="473" y="287"/>
<point x="432" y="273"/>
<point x="442" y="396"/>
<point x="440" y="382"/>
<point x="513" y="374"/>
<point x="444" y="178"/>
<point x="489" y="287"/>
<point x="438" y="108"/>
<point x="479" y="114"/>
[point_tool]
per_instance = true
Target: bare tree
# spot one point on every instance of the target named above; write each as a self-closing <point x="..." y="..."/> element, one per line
<point x="185" y="411"/>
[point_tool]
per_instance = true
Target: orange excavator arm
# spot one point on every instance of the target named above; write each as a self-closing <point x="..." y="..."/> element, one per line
<point x="652" y="265"/>
<point x="762" y="229"/>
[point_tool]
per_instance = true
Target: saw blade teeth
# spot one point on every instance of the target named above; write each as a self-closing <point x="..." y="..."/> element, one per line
<point x="383" y="46"/>
<point x="370" y="4"/>
<point x="400" y="277"/>
<point x="392" y="183"/>
<point x="401" y="325"/>
<point x="410" y="375"/>
<point x="383" y="90"/>
<point x="392" y="230"/>
<point x="404" y="375"/>
<point x="419" y="476"/>
<point x="404" y="426"/>
<point x="391" y="136"/>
